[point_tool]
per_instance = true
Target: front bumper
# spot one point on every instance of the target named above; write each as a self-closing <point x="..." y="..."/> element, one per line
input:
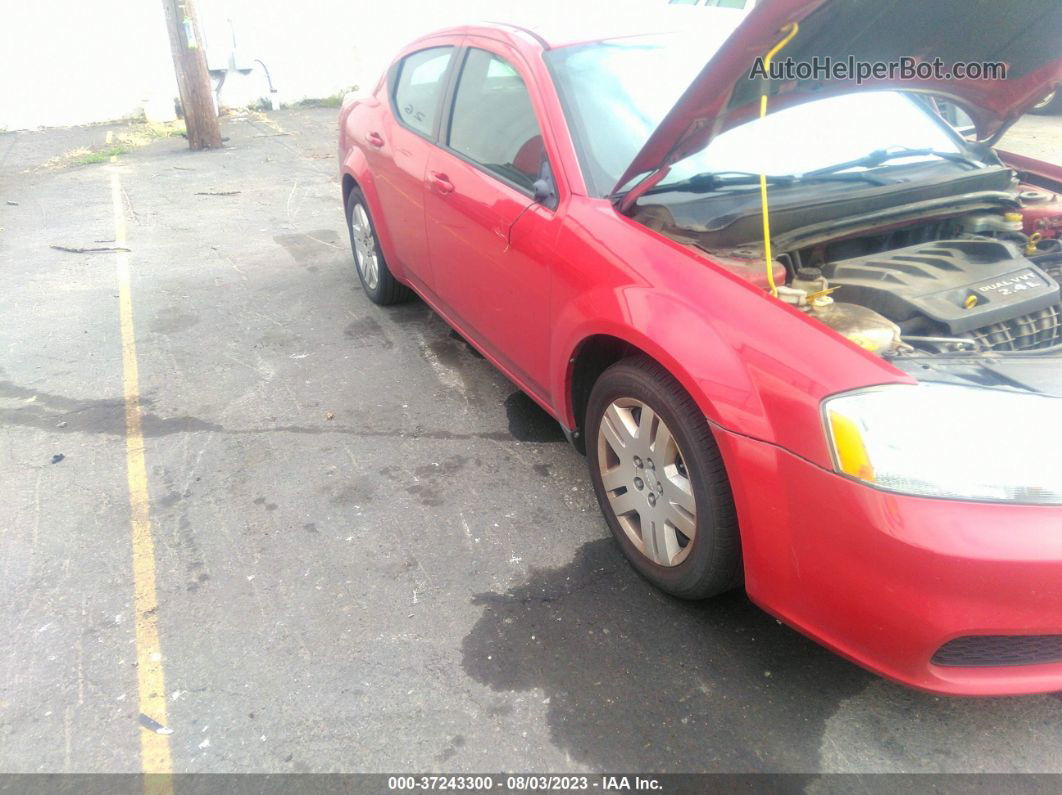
<point x="886" y="580"/>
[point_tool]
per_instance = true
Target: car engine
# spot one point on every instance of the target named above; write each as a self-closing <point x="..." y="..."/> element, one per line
<point x="945" y="293"/>
<point x="977" y="283"/>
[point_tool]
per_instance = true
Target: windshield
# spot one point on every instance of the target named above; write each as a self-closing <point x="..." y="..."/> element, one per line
<point x="615" y="93"/>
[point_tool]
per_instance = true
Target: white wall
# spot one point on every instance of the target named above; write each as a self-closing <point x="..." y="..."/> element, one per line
<point x="315" y="49"/>
<point x="69" y="62"/>
<point x="73" y="62"/>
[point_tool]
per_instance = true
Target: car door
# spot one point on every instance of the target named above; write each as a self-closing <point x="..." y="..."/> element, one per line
<point x="397" y="152"/>
<point x="490" y="242"/>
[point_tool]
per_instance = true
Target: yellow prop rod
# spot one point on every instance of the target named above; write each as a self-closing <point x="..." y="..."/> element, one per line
<point x="790" y="31"/>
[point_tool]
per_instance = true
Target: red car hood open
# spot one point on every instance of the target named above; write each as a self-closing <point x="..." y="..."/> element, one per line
<point x="1026" y="35"/>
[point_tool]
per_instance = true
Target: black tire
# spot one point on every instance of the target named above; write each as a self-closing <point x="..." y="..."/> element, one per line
<point x="713" y="564"/>
<point x="387" y="289"/>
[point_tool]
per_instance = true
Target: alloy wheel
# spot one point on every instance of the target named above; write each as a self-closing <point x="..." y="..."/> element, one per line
<point x="365" y="255"/>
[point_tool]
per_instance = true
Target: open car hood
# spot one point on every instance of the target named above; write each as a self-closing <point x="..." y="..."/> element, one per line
<point x="1026" y="35"/>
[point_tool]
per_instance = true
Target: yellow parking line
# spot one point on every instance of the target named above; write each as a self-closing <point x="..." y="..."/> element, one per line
<point x="155" y="756"/>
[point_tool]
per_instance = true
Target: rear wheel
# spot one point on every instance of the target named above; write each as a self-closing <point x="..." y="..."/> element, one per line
<point x="376" y="279"/>
<point x="660" y="481"/>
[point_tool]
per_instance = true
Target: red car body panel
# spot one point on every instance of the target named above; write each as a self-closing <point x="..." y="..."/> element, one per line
<point x="880" y="578"/>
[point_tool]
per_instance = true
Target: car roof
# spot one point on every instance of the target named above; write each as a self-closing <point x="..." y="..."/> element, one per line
<point x="553" y="30"/>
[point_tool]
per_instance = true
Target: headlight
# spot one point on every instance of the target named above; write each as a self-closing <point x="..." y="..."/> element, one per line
<point x="938" y="440"/>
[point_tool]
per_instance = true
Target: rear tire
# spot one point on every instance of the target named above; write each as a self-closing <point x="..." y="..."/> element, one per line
<point x="373" y="273"/>
<point x="660" y="481"/>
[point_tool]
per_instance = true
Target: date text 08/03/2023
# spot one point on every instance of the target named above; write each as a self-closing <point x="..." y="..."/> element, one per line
<point x="524" y="783"/>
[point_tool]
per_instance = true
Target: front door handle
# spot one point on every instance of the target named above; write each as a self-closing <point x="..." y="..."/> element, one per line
<point x="441" y="182"/>
<point x="375" y="139"/>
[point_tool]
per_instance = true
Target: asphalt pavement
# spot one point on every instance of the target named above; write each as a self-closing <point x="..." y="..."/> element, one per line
<point x="371" y="552"/>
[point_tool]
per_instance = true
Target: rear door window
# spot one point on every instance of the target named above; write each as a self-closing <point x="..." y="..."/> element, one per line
<point x="493" y="123"/>
<point x="420" y="81"/>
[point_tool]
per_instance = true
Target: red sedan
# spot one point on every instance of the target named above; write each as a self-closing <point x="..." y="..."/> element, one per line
<point x="816" y="350"/>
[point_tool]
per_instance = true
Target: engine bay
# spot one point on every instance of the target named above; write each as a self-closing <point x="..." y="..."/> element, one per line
<point x="977" y="289"/>
<point x="975" y="273"/>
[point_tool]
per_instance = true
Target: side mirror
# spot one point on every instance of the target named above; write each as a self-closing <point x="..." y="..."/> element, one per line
<point x="542" y="191"/>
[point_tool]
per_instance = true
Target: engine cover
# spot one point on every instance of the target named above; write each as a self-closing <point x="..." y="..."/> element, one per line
<point x="962" y="285"/>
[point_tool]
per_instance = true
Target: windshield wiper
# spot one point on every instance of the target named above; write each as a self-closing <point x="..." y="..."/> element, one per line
<point x="880" y="156"/>
<point x="709" y="182"/>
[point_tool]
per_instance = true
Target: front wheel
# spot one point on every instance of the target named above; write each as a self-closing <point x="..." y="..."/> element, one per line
<point x="660" y="481"/>
<point x="376" y="279"/>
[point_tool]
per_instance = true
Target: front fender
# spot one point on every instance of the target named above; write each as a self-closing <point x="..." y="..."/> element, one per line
<point x="754" y="366"/>
<point x="694" y="353"/>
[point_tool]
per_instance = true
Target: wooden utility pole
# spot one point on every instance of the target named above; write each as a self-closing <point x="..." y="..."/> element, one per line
<point x="193" y="79"/>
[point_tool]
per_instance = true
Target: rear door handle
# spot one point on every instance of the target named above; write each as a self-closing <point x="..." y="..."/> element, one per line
<point x="441" y="182"/>
<point x="375" y="139"/>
